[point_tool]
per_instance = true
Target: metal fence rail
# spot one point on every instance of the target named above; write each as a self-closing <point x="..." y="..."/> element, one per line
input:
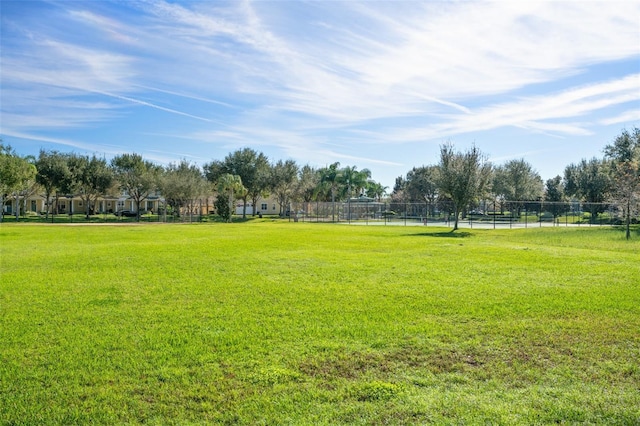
<point x="487" y="214"/>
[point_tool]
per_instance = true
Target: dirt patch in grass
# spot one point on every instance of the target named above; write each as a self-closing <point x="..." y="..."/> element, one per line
<point x="437" y="359"/>
<point x="353" y="365"/>
<point x="344" y="365"/>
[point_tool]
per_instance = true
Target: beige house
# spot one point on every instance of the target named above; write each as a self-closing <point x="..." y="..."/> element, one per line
<point x="73" y="205"/>
<point x="155" y="203"/>
<point x="265" y="206"/>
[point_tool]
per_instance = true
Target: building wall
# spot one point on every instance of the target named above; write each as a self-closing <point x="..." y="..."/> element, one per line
<point x="77" y="205"/>
<point x="266" y="206"/>
<point x="38" y="204"/>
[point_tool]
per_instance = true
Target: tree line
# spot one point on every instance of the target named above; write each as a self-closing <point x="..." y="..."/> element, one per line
<point x="460" y="178"/>
<point x="464" y="178"/>
<point x="245" y="175"/>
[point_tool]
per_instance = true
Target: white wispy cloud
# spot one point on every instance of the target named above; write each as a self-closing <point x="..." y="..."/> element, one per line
<point x="184" y="95"/>
<point x="83" y="146"/>
<point x="632" y="116"/>
<point x="519" y="155"/>
<point x="538" y="113"/>
<point x="412" y="64"/>
<point x="107" y="150"/>
<point x="305" y="78"/>
<point x="470" y="50"/>
<point x="115" y="30"/>
<point x="151" y="105"/>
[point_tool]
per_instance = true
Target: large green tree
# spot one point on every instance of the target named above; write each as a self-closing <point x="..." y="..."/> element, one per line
<point x="422" y="185"/>
<point x="251" y="166"/>
<point x="89" y="178"/>
<point x="53" y="171"/>
<point x="589" y="181"/>
<point x="464" y="177"/>
<point x="308" y="181"/>
<point x="399" y="194"/>
<point x="284" y="180"/>
<point x="17" y="176"/>
<point x="554" y="194"/>
<point x="182" y="184"/>
<point x="517" y="181"/>
<point x="624" y="157"/>
<point x="137" y="177"/>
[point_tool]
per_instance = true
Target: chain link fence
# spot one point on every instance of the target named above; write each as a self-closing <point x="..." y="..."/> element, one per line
<point x="487" y="214"/>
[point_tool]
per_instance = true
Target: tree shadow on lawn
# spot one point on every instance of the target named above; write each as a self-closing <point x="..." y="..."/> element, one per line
<point x="448" y="234"/>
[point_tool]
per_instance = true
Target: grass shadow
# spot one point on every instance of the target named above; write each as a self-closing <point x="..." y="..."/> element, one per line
<point x="448" y="234"/>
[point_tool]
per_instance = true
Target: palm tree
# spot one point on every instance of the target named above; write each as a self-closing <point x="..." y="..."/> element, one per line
<point x="352" y="179"/>
<point x="376" y="190"/>
<point x="330" y="176"/>
<point x="229" y="183"/>
<point x="361" y="180"/>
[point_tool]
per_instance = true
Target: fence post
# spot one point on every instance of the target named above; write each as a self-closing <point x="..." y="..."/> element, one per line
<point x="510" y="217"/>
<point x="386" y="209"/>
<point x="426" y="216"/>
<point x="366" y="216"/>
<point x="540" y="213"/>
<point x="494" y="214"/>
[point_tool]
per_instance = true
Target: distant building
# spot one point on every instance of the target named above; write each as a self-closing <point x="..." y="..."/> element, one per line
<point x="154" y="203"/>
<point x="265" y="206"/>
<point x="75" y="204"/>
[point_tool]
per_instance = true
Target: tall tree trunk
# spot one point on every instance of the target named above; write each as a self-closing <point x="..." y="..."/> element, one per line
<point x="46" y="217"/>
<point x="87" y="206"/>
<point x="629" y="218"/>
<point x="17" y="197"/>
<point x="333" y="202"/>
<point x="455" y="223"/>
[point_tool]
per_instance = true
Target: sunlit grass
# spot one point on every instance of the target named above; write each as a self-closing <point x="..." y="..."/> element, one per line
<point x="282" y="323"/>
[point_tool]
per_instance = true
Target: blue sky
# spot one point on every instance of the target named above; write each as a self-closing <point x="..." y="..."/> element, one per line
<point x="375" y="84"/>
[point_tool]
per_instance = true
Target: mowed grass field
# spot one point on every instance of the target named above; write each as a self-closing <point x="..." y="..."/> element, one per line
<point x="291" y="323"/>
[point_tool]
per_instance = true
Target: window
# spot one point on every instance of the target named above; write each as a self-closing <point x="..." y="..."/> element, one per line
<point x="263" y="206"/>
<point x="274" y="207"/>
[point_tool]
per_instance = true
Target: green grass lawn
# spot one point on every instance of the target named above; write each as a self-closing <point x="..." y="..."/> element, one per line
<point x="292" y="323"/>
